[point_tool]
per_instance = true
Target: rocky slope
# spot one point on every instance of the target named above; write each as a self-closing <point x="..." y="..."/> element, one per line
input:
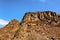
<point x="34" y="26"/>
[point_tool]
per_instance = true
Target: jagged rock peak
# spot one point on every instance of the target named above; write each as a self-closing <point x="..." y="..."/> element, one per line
<point x="14" y="21"/>
<point x="34" y="26"/>
<point x="12" y="25"/>
<point x="35" y="16"/>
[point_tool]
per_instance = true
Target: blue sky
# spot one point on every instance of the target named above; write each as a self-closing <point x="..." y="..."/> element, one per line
<point x="15" y="9"/>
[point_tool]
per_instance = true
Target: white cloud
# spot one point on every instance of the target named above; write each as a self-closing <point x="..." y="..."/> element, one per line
<point x="42" y="0"/>
<point x="3" y="22"/>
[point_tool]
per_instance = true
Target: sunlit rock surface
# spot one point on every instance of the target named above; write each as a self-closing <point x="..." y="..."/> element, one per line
<point x="34" y="26"/>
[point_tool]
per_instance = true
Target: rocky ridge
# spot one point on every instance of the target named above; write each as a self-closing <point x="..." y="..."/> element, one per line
<point x="34" y="26"/>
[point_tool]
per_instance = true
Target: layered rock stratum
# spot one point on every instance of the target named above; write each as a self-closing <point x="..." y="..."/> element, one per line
<point x="34" y="26"/>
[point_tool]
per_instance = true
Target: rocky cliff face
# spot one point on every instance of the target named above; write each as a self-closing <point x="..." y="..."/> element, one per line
<point x="34" y="26"/>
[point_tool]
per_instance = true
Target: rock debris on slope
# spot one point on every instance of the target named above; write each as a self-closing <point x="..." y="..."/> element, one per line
<point x="34" y="26"/>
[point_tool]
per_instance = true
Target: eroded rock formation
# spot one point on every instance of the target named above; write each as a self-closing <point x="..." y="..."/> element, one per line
<point x="34" y="26"/>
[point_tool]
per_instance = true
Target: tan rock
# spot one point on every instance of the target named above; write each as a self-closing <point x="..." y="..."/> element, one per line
<point x="34" y="26"/>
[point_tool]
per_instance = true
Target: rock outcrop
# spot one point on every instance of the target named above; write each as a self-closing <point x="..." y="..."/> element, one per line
<point x="34" y="26"/>
<point x="9" y="30"/>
